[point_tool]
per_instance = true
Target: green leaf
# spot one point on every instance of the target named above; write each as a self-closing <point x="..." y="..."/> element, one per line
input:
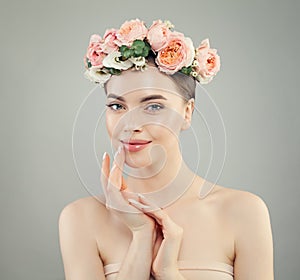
<point x="114" y="71"/>
<point x="138" y="44"/>
<point x="145" y="52"/>
<point x="123" y="48"/>
<point x="138" y="51"/>
<point x="186" y="70"/>
<point x="147" y="45"/>
<point x="127" y="53"/>
<point x="89" y="64"/>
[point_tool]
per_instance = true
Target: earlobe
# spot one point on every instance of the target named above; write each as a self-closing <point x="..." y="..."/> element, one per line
<point x="185" y="125"/>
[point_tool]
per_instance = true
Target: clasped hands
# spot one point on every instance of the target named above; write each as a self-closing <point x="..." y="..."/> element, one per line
<point x="140" y="214"/>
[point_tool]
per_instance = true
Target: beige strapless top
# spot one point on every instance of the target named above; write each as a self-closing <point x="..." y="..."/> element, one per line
<point x="184" y="265"/>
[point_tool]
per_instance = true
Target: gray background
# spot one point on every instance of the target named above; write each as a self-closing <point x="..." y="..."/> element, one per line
<point x="42" y="87"/>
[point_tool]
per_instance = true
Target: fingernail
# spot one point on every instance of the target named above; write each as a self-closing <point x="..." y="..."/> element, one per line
<point x="104" y="154"/>
<point x="141" y="196"/>
<point x="133" y="201"/>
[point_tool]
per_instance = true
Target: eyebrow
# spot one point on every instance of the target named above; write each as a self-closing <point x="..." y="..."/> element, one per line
<point x="144" y="99"/>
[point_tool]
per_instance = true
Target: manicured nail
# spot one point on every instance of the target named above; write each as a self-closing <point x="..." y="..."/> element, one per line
<point x="133" y="201"/>
<point x="141" y="196"/>
<point x="104" y="154"/>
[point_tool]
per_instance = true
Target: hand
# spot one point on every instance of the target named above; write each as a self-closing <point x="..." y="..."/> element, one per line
<point x="168" y="240"/>
<point x="117" y="197"/>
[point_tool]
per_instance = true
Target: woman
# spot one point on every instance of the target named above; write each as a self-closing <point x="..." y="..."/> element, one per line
<point x="153" y="224"/>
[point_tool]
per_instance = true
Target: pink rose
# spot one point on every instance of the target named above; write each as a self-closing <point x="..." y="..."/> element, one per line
<point x="109" y="39"/>
<point x="130" y="31"/>
<point x="179" y="52"/>
<point x="158" y="35"/>
<point x="208" y="61"/>
<point x="94" y="51"/>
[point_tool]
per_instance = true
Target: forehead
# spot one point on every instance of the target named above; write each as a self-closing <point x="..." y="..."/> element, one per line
<point x="151" y="79"/>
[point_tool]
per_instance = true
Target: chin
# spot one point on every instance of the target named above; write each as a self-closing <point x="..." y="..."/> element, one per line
<point x="152" y="160"/>
<point x="138" y="160"/>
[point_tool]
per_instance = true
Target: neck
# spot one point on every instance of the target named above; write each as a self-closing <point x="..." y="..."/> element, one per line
<point x="167" y="184"/>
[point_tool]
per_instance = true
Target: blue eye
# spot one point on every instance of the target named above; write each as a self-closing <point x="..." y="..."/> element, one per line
<point x="114" y="106"/>
<point x="154" y="107"/>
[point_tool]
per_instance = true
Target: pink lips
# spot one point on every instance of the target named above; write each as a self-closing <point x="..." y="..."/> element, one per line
<point x="135" y="145"/>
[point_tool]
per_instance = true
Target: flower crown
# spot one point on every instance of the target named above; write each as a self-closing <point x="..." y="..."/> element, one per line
<point x="133" y="43"/>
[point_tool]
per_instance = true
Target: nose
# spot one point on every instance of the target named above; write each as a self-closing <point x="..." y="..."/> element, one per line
<point x="132" y="122"/>
<point x="130" y="127"/>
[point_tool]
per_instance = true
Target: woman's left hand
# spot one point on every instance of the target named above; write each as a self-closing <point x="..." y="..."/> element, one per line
<point x="168" y="240"/>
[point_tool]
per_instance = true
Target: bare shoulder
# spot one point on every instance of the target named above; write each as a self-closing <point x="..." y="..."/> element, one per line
<point x="242" y="207"/>
<point x="84" y="211"/>
<point x="239" y="198"/>
<point x="244" y="202"/>
<point x="77" y="232"/>
<point x="83" y="206"/>
<point x="248" y="217"/>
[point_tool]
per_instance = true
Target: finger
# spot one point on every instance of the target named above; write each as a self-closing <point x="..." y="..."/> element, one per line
<point x="149" y="208"/>
<point x="105" y="169"/>
<point x="105" y="178"/>
<point x="124" y="185"/>
<point x="137" y="204"/>
<point x="154" y="211"/>
<point x="115" y="176"/>
<point x="147" y="201"/>
<point x="115" y="182"/>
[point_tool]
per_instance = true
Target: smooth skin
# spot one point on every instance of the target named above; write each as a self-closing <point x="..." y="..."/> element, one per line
<point x="80" y="220"/>
<point x="229" y="225"/>
<point x="165" y="250"/>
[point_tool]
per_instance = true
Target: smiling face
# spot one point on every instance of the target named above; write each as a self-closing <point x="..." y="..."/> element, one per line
<point x="145" y="113"/>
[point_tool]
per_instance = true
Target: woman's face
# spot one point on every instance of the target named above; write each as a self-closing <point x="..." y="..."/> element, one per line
<point x="145" y="114"/>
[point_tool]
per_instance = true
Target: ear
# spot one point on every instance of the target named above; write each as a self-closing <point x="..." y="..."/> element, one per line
<point x="188" y="113"/>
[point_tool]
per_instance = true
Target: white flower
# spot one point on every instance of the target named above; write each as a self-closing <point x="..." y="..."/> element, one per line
<point x="97" y="76"/>
<point x="112" y="60"/>
<point x="168" y="24"/>
<point x="195" y="63"/>
<point x="139" y="62"/>
<point x="204" y="81"/>
<point x="194" y="74"/>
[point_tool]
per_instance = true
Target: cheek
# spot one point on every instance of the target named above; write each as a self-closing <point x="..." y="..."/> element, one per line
<point x="110" y="124"/>
<point x="170" y="123"/>
<point x="162" y="134"/>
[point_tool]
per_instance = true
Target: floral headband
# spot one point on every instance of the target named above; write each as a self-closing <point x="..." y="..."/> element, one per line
<point x="133" y="43"/>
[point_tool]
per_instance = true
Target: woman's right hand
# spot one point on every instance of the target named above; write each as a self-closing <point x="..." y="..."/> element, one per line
<point x="117" y="198"/>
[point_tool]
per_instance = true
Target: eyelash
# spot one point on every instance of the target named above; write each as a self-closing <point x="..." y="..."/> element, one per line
<point x="149" y="105"/>
<point x="111" y="106"/>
